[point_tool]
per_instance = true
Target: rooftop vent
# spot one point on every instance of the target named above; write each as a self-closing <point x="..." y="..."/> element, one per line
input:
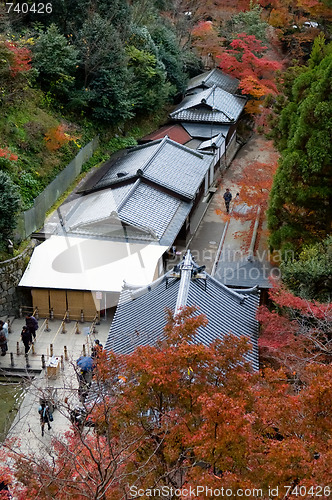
<point x="122" y="174"/>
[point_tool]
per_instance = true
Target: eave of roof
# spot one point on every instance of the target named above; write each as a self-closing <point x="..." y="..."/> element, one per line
<point x="205" y="130"/>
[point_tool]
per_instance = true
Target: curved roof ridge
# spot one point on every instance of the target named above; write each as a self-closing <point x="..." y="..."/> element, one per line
<point x="137" y="291"/>
<point x="126" y="196"/>
<point x="209" y="75"/>
<point x="220" y="285"/>
<point x="129" y="149"/>
<point x="230" y="291"/>
<point x="209" y="92"/>
<point x="183" y="146"/>
<point x="253" y="290"/>
<point x="141" y="170"/>
<point x="194" y="101"/>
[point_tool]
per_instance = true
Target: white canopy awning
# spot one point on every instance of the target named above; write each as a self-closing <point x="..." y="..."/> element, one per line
<point x="88" y="264"/>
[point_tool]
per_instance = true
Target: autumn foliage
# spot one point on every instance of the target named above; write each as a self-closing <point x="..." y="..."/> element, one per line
<point x="244" y="59"/>
<point x="21" y="61"/>
<point x="5" y="153"/>
<point x="206" y="39"/>
<point x="57" y="137"/>
<point x="295" y="332"/>
<point x="181" y="414"/>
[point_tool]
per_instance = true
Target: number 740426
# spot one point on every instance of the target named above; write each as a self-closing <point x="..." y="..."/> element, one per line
<point x="25" y="8"/>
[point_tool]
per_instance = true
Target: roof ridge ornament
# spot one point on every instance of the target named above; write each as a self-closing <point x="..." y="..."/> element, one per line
<point x="205" y="99"/>
<point x="186" y="269"/>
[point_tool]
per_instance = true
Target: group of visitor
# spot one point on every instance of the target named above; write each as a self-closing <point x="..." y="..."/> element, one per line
<point x="28" y="334"/>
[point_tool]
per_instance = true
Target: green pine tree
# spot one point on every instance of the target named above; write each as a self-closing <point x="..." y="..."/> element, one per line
<point x="299" y="211"/>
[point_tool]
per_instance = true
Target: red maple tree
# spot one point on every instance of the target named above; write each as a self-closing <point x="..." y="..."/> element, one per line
<point x="21" y="61"/>
<point x="244" y="59"/>
<point x="58" y="136"/>
<point x="295" y="332"/>
<point x="6" y="153"/>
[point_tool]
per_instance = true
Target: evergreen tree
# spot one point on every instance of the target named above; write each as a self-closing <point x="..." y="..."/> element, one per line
<point x="249" y="22"/>
<point x="309" y="276"/>
<point x="299" y="203"/>
<point x="149" y="89"/>
<point x="56" y="60"/>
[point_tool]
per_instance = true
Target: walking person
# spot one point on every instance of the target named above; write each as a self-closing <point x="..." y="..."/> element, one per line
<point x="227" y="198"/>
<point x="3" y="340"/>
<point x="96" y="349"/>
<point x="26" y="337"/>
<point x="45" y="417"/>
<point x="32" y="324"/>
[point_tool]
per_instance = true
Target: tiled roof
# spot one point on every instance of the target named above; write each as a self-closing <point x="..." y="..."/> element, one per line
<point x="194" y="143"/>
<point x="205" y="130"/>
<point x="150" y="213"/>
<point x="128" y="164"/>
<point x="96" y="206"/>
<point x="174" y="131"/>
<point x="227" y="311"/>
<point x="214" y="77"/>
<point x="178" y="168"/>
<point x="246" y="273"/>
<point x="213" y="105"/>
<point x="150" y="208"/>
<point x="165" y="163"/>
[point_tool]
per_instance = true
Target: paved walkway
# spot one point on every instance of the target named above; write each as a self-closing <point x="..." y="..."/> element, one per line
<point x="25" y="428"/>
<point x="76" y="338"/>
<point x="216" y="228"/>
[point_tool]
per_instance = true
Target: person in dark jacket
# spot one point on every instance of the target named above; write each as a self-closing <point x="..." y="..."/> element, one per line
<point x="26" y="338"/>
<point x="97" y="349"/>
<point x="227" y="198"/>
<point x="32" y="324"/>
<point x="45" y="417"/>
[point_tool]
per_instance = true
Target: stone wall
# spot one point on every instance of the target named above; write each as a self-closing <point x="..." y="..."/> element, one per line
<point x="11" y="271"/>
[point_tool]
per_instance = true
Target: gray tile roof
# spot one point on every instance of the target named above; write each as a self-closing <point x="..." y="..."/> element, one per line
<point x="164" y="162"/>
<point x="178" y="168"/>
<point x="96" y="206"/>
<point x="150" y="213"/>
<point x="205" y="130"/>
<point x="213" y="105"/>
<point x="243" y="273"/>
<point x="129" y="163"/>
<point x="150" y="208"/>
<point x="227" y="311"/>
<point x="194" y="143"/>
<point x="214" y="77"/>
